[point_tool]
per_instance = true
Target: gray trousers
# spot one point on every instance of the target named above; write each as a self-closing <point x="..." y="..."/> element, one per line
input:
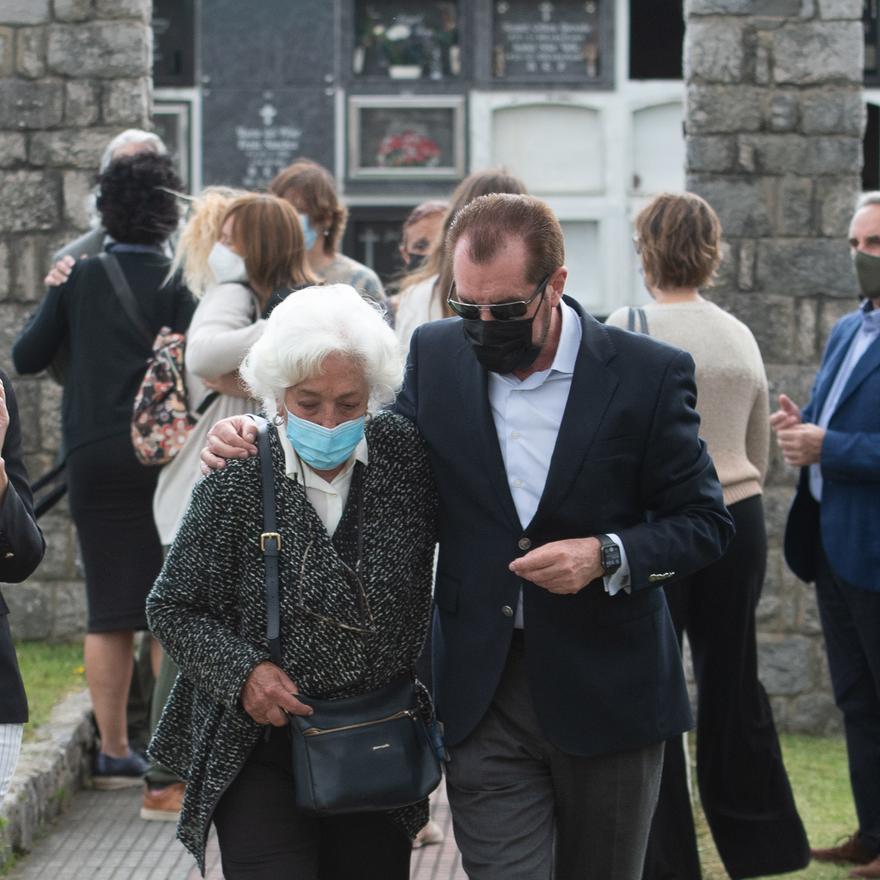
<point x="524" y="810"/>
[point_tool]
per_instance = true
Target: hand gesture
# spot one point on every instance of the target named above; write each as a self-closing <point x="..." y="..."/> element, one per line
<point x="60" y="272"/>
<point x="787" y="416"/>
<point x="234" y="437"/>
<point x="562" y="567"/>
<point x="268" y="696"/>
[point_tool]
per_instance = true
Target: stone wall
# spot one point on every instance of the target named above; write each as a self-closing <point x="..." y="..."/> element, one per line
<point x="73" y="74"/>
<point x="774" y="125"/>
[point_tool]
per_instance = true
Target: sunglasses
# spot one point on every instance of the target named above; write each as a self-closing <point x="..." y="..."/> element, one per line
<point x="505" y="311"/>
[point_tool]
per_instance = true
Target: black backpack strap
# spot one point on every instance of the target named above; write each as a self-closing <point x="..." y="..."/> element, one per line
<point x="631" y="319"/>
<point x="126" y="296"/>
<point x="270" y="542"/>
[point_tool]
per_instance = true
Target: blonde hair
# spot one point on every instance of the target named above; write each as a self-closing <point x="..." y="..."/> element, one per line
<point x="678" y="237"/>
<point x="200" y="234"/>
<point x="307" y="327"/>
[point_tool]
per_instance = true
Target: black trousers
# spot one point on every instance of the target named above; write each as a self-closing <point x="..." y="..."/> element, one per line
<point x="743" y="785"/>
<point x="263" y="836"/>
<point x="851" y="625"/>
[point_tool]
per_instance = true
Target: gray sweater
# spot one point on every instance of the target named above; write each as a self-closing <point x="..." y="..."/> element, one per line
<point x="208" y="608"/>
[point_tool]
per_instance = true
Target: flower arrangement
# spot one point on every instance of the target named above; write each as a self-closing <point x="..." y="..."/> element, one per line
<point x="408" y="149"/>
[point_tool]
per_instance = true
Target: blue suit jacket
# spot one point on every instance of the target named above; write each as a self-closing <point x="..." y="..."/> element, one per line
<point x="604" y="672"/>
<point x="848" y="520"/>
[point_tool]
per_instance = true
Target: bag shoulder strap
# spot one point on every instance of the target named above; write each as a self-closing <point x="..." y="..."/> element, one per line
<point x="270" y="542"/>
<point x="632" y="315"/>
<point x="125" y="295"/>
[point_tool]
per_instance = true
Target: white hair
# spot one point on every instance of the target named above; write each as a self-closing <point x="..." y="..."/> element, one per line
<point x="312" y="324"/>
<point x="129" y="136"/>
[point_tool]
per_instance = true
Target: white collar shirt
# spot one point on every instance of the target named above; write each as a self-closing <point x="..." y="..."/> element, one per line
<point x="328" y="498"/>
<point x="527" y="415"/>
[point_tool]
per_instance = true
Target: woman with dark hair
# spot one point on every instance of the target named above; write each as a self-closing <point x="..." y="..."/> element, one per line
<point x="423" y="292"/>
<point x="743" y="785"/>
<point x="110" y="492"/>
<point x="310" y="188"/>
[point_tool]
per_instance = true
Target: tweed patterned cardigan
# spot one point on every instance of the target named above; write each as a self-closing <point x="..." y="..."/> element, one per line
<point x="208" y="608"/>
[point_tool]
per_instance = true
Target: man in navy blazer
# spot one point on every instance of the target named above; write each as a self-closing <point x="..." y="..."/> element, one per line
<point x="569" y="468"/>
<point x="833" y="532"/>
<point x="572" y="485"/>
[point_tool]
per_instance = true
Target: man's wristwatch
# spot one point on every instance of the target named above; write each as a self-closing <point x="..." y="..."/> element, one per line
<point x="609" y="554"/>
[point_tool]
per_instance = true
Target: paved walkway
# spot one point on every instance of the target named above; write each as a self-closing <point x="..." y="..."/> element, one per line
<point x="102" y="837"/>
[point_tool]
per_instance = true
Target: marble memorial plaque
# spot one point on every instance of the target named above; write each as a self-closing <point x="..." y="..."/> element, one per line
<point x="270" y="44"/>
<point x="249" y="136"/>
<point x="546" y="41"/>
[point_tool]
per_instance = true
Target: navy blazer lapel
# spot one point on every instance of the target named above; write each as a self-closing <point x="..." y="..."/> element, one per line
<point x="868" y="362"/>
<point x="831" y="370"/>
<point x="592" y="387"/>
<point x="474" y="385"/>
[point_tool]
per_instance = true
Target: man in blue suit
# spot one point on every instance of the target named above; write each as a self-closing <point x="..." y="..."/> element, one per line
<point x="572" y="485"/>
<point x="833" y="532"/>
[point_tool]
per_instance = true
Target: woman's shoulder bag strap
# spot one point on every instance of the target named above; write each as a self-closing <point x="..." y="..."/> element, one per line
<point x="631" y="316"/>
<point x="270" y="542"/>
<point x="125" y="295"/>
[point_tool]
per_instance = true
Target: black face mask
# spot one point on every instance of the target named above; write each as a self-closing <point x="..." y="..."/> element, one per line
<point x="502" y="346"/>
<point x="415" y="261"/>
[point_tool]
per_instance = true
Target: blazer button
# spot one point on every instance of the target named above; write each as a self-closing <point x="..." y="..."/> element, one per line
<point x="524" y="543"/>
<point x="507" y="611"/>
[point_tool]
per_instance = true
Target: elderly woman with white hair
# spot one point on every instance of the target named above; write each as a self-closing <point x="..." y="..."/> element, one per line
<point x="354" y="609"/>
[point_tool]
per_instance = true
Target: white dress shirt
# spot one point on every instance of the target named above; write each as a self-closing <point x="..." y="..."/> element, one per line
<point x="527" y="415"/>
<point x="328" y="499"/>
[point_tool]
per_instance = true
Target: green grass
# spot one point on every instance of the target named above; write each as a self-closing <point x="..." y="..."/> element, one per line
<point x="819" y="776"/>
<point x="50" y="673"/>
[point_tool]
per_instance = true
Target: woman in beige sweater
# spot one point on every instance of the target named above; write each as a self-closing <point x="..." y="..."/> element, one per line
<point x="743" y="784"/>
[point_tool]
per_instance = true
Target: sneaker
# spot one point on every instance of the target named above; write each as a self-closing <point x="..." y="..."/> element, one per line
<point x="163" y="804"/>
<point x="431" y="833"/>
<point x="110" y="773"/>
<point x="851" y="850"/>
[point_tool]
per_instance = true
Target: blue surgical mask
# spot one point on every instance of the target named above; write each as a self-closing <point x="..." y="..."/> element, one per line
<point x="324" y="448"/>
<point x="309" y="233"/>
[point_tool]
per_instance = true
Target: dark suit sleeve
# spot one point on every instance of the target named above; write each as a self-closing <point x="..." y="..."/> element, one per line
<point x="44" y="331"/>
<point x="688" y="526"/>
<point x="21" y="541"/>
<point x="407" y="404"/>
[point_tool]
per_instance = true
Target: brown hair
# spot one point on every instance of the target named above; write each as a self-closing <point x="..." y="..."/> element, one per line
<point x="678" y="237"/>
<point x="489" y="222"/>
<point x="310" y="188"/>
<point x="480" y="183"/>
<point x="268" y="235"/>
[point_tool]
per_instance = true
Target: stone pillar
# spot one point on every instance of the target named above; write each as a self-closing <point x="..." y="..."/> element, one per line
<point x="774" y="120"/>
<point x="73" y="74"/>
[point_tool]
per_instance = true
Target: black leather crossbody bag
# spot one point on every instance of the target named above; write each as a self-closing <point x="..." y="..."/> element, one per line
<point x="357" y="754"/>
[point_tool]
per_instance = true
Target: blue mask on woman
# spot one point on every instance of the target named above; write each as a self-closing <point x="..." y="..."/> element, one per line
<point x="324" y="448"/>
<point x="309" y="234"/>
